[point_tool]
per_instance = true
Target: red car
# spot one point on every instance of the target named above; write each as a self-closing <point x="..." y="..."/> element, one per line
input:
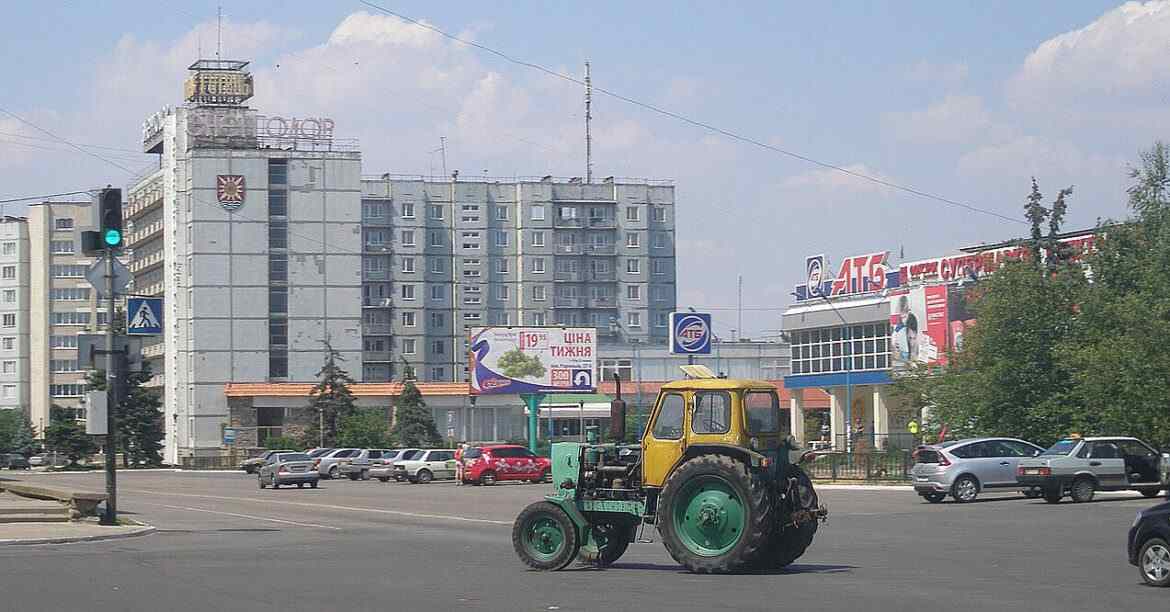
<point x="488" y="465"/>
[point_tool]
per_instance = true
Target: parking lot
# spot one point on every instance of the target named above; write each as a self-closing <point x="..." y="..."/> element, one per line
<point x="224" y="544"/>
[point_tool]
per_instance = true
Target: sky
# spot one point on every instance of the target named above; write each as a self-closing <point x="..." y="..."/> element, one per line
<point x="963" y="100"/>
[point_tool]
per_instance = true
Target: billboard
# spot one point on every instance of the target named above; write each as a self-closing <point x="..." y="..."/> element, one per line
<point x="926" y="323"/>
<point x="690" y="333"/>
<point x="533" y="360"/>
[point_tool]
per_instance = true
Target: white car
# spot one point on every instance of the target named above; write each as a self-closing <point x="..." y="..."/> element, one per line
<point x="424" y="466"/>
<point x="329" y="464"/>
<point x="385" y="471"/>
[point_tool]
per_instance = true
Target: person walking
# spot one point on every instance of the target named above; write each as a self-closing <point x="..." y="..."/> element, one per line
<point x="459" y="463"/>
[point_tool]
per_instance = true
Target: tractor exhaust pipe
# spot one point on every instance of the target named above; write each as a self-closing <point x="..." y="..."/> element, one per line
<point x="617" y="412"/>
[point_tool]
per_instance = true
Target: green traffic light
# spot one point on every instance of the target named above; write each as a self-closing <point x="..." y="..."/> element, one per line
<point x="112" y="237"/>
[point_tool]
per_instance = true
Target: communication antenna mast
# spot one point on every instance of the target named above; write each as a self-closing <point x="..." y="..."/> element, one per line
<point x="218" y="29"/>
<point x="739" y="307"/>
<point x="588" y="117"/>
<point x="443" y="152"/>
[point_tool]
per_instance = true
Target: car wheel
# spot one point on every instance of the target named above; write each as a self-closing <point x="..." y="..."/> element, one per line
<point x="965" y="489"/>
<point x="354" y="476"/>
<point x="300" y="485"/>
<point x="275" y="484"/>
<point x="249" y="470"/>
<point x="1082" y="490"/>
<point x="384" y="478"/>
<point x="424" y="476"/>
<point x="365" y="475"/>
<point x="333" y="471"/>
<point x="935" y="498"/>
<point x="260" y="479"/>
<point x="541" y="478"/>
<point x="1053" y="495"/>
<point x="1151" y="493"/>
<point x="1154" y="562"/>
<point x="1032" y="493"/>
<point x="487" y="479"/>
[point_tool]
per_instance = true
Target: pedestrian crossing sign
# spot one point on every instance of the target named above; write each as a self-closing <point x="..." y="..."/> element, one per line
<point x="144" y="316"/>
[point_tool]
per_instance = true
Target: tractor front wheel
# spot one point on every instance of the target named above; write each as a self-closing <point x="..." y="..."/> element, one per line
<point x="715" y="515"/>
<point x="609" y="542"/>
<point x="544" y="537"/>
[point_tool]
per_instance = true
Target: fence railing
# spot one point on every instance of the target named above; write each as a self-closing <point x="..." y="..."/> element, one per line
<point x="226" y="461"/>
<point x="891" y="465"/>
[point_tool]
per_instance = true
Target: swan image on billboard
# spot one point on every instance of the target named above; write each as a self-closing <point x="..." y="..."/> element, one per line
<point x="533" y="359"/>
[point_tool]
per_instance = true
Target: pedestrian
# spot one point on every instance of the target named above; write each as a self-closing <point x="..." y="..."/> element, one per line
<point x="459" y="463"/>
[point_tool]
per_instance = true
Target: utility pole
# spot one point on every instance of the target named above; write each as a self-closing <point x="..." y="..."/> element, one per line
<point x="588" y="117"/>
<point x="112" y="377"/>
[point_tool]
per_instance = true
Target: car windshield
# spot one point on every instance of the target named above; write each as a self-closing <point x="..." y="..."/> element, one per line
<point x="412" y="455"/>
<point x="1063" y="447"/>
<point x="319" y="452"/>
<point x="294" y="457"/>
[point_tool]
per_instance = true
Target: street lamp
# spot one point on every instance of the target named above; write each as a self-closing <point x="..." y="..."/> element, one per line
<point x="848" y="337"/>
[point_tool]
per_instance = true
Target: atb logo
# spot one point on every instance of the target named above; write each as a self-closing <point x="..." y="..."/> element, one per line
<point x="692" y="333"/>
<point x="814" y="268"/>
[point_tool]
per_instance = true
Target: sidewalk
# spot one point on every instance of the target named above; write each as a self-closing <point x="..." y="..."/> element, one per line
<point x="64" y="533"/>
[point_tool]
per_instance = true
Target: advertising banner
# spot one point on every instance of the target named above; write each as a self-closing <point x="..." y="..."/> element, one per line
<point x="690" y="333"/>
<point x="533" y="360"/>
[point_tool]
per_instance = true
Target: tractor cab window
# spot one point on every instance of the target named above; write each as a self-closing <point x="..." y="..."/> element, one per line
<point x="763" y="412"/>
<point x="712" y="413"/>
<point x="669" y="424"/>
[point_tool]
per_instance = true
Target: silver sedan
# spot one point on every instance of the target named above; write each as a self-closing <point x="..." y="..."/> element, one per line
<point x="288" y="468"/>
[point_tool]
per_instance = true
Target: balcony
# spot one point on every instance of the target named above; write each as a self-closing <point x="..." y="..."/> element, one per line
<point x="143" y="232"/>
<point x="569" y="277"/>
<point x="602" y="223"/>
<point x="375" y="275"/>
<point x="568" y="223"/>
<point x="567" y="249"/>
<point x="153" y="350"/>
<point x="606" y="301"/>
<point x="377" y="248"/>
<point x="600" y="249"/>
<point x="376" y="356"/>
<point x="569" y="302"/>
<point x="377" y="302"/>
<point x="376" y="329"/>
<point x="145" y="262"/>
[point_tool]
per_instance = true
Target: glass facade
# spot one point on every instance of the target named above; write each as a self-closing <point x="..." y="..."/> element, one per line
<point x="825" y="350"/>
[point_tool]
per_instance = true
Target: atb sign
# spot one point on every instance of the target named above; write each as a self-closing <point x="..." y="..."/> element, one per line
<point x="533" y="359"/>
<point x="144" y="316"/>
<point x="690" y="333"/>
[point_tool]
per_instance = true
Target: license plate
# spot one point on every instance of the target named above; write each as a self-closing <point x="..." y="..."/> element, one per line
<point x="1031" y="471"/>
<point x="299" y="468"/>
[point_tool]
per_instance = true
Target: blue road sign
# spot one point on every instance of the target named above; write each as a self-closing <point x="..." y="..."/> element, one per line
<point x="229" y="435"/>
<point x="144" y="316"/>
<point x="690" y="333"/>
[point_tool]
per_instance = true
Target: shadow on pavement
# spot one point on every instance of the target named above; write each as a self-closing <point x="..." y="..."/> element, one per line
<point x="678" y="569"/>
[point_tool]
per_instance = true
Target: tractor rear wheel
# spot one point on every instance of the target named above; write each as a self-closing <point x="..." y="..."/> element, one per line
<point x="715" y="515"/>
<point x="609" y="542"/>
<point x="789" y="542"/>
<point x="544" y="537"/>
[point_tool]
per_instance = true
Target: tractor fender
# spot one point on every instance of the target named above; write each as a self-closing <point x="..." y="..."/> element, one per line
<point x="748" y="456"/>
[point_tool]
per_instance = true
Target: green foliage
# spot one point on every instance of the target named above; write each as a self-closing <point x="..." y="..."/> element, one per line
<point x="414" y="425"/>
<point x="68" y="437"/>
<point x="515" y="364"/>
<point x="138" y="418"/>
<point x="16" y="433"/>
<point x="283" y="443"/>
<point x="364" y="428"/>
<point x="331" y="395"/>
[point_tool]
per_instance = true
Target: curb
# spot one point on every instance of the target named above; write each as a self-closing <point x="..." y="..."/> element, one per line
<point x="829" y="486"/>
<point x="145" y="530"/>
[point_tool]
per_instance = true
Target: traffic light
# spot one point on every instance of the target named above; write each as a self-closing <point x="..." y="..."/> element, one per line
<point x="110" y="216"/>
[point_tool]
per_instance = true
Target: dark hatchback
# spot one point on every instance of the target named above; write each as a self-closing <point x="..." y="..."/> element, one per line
<point x="1149" y="544"/>
<point x="14" y="461"/>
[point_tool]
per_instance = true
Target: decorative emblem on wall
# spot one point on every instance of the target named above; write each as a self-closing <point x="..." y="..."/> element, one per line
<point x="229" y="190"/>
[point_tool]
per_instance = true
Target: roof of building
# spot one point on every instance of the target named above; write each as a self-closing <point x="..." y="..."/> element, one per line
<point x="358" y="389"/>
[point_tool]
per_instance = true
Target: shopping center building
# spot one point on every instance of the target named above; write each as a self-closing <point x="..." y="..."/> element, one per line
<point x="854" y="328"/>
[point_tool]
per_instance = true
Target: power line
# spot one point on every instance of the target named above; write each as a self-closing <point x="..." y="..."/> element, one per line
<point x="89" y="146"/>
<point x="43" y="130"/>
<point x="45" y="196"/>
<point x="696" y="122"/>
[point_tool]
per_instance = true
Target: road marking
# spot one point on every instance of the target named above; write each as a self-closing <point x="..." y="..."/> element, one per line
<point x="247" y="516"/>
<point x="442" y="517"/>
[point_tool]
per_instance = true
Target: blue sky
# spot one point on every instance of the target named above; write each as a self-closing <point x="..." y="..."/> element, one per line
<point x="966" y="100"/>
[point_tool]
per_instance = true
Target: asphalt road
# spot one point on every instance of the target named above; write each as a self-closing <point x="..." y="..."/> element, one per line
<point x="223" y="545"/>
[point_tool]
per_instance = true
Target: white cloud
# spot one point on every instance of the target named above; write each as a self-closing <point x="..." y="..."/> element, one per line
<point x="954" y="119"/>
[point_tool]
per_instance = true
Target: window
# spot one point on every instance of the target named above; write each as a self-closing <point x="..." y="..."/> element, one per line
<point x="408" y="292"/>
<point x="438" y="373"/>
<point x="470" y="240"/>
<point x="63" y="223"/>
<point x="712" y="413"/>
<point x="501" y="213"/>
<point x="437" y="266"/>
<point x="471" y="316"/>
<point x="538" y="212"/>
<point x="9" y="272"/>
<point x="538" y="265"/>
<point x="661" y="293"/>
<point x="537" y="239"/>
<point x="632" y="240"/>
<point x="9" y="391"/>
<point x="501" y="239"/>
<point x="658" y="214"/>
<point x="374" y="264"/>
<point x="538" y="293"/>
<point x="56" y="365"/>
<point x="277" y="332"/>
<point x="9" y="342"/>
<point x="668" y="425"/>
<point x="762" y="409"/>
<point x="408" y="265"/>
<point x="59" y="271"/>
<point x="373" y="210"/>
<point x="501" y="266"/>
<point x="73" y="390"/>
<point x="660" y="241"/>
<point x="661" y="319"/>
<point x="9" y="367"/>
<point x="470" y="213"/>
<point x="408" y="319"/>
<point x="502" y="293"/>
<point x="277" y="203"/>
<point x="633" y="292"/>
<point x="537" y="318"/>
<point x="437" y="293"/>
<point x="633" y="266"/>
<point x="436" y="239"/>
<point x="9" y="319"/>
<point x="74" y="294"/>
<point x="375" y="238"/>
<point x="816" y="351"/>
<point x="102" y="318"/>
<point x="408" y="345"/>
<point x="278" y="267"/>
<point x="61" y="247"/>
<point x="661" y="266"/>
<point x="407" y="238"/>
<point x="438" y="320"/>
<point x="278" y="364"/>
<point x="63" y="318"/>
<point x="435" y="211"/>
<point x="568" y="212"/>
<point x="632" y="213"/>
<point x="278" y="300"/>
<point x="438" y="347"/>
<point x="634" y="319"/>
<point x="408" y="210"/>
<point x="10" y="295"/>
<point x="472" y="300"/>
<point x="9" y="248"/>
<point x="277" y="235"/>
<point x="278" y="171"/>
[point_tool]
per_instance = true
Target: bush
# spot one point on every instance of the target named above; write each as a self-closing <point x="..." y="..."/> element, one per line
<point x="284" y="443"/>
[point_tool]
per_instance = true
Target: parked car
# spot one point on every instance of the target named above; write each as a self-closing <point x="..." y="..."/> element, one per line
<point x="313" y="453"/>
<point x="488" y="465"/>
<point x="288" y="468"/>
<point x="385" y="471"/>
<point x="328" y="464"/>
<point x="424" y="466"/>
<point x="1149" y="544"/>
<point x="964" y="468"/>
<point x="358" y="466"/>
<point x="48" y="459"/>
<point x="14" y="461"/>
<point x="250" y="466"/>
<point x="1078" y="467"/>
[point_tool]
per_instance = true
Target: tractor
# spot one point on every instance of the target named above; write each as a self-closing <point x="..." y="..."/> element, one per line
<point x="714" y="474"/>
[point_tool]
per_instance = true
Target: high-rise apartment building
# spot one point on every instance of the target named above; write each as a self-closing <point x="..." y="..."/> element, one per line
<point x="440" y="257"/>
<point x="14" y="311"/>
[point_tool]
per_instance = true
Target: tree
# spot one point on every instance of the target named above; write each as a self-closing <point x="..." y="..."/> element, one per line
<point x="414" y="425"/>
<point x="138" y="418"/>
<point x="282" y="443"/>
<point x="515" y="364"/>
<point x="67" y="436"/>
<point x="16" y="433"/>
<point x="364" y="428"/>
<point x="331" y="396"/>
